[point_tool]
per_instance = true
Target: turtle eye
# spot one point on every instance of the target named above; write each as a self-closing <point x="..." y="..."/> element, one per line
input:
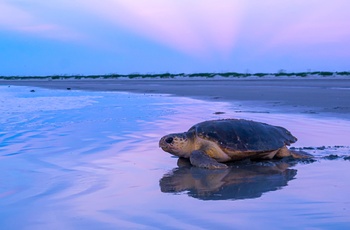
<point x="169" y="140"/>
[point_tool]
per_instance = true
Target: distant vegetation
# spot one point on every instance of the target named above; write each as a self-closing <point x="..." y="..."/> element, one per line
<point x="280" y="73"/>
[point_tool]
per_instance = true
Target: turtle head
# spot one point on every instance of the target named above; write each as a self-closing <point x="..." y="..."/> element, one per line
<point x="177" y="144"/>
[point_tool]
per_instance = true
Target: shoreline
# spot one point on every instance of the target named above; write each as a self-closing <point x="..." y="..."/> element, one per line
<point x="326" y="96"/>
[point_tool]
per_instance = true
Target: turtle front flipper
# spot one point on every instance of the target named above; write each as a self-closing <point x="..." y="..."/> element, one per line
<point x="200" y="159"/>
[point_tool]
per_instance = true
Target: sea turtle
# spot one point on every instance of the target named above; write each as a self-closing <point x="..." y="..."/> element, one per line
<point x="210" y="142"/>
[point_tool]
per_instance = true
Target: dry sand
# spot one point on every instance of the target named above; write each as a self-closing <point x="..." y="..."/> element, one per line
<point x="327" y="96"/>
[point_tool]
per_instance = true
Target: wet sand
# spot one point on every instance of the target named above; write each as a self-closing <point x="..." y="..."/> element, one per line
<point x="326" y="96"/>
<point x="91" y="160"/>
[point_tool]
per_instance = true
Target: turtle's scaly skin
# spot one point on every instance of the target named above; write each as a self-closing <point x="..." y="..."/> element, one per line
<point x="210" y="142"/>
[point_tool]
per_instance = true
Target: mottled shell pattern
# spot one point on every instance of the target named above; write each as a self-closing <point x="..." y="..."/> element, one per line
<point x="243" y="135"/>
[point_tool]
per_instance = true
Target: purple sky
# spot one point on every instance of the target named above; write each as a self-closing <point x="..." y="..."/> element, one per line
<point x="40" y="37"/>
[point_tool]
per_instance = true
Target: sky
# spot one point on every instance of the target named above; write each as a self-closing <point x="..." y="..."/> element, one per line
<point x="65" y="37"/>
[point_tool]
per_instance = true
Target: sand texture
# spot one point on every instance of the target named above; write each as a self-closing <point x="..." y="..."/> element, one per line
<point x="318" y="96"/>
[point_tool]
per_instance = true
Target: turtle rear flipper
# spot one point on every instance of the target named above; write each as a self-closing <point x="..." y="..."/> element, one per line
<point x="300" y="154"/>
<point x="200" y="159"/>
<point x="296" y="154"/>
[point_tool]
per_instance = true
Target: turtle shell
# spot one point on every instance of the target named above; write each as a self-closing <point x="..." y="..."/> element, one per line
<point x="243" y="135"/>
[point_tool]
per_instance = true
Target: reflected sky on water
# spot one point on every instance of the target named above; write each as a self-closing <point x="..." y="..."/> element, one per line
<point x="76" y="159"/>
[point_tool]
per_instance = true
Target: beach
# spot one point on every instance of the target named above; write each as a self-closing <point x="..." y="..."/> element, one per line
<point x="323" y="96"/>
<point x="85" y="154"/>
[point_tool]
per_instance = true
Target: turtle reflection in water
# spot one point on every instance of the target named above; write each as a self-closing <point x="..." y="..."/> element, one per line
<point x="241" y="181"/>
<point x="209" y="143"/>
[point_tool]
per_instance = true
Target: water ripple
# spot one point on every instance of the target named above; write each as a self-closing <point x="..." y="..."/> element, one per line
<point x="74" y="159"/>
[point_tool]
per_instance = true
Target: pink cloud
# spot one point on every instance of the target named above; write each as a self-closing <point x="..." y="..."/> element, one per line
<point x="325" y="24"/>
<point x="16" y="19"/>
<point x="218" y="24"/>
<point x="202" y="28"/>
<point x="198" y="28"/>
<point x="13" y="17"/>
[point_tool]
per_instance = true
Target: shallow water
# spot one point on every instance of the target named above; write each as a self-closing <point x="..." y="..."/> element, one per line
<point x="75" y="159"/>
